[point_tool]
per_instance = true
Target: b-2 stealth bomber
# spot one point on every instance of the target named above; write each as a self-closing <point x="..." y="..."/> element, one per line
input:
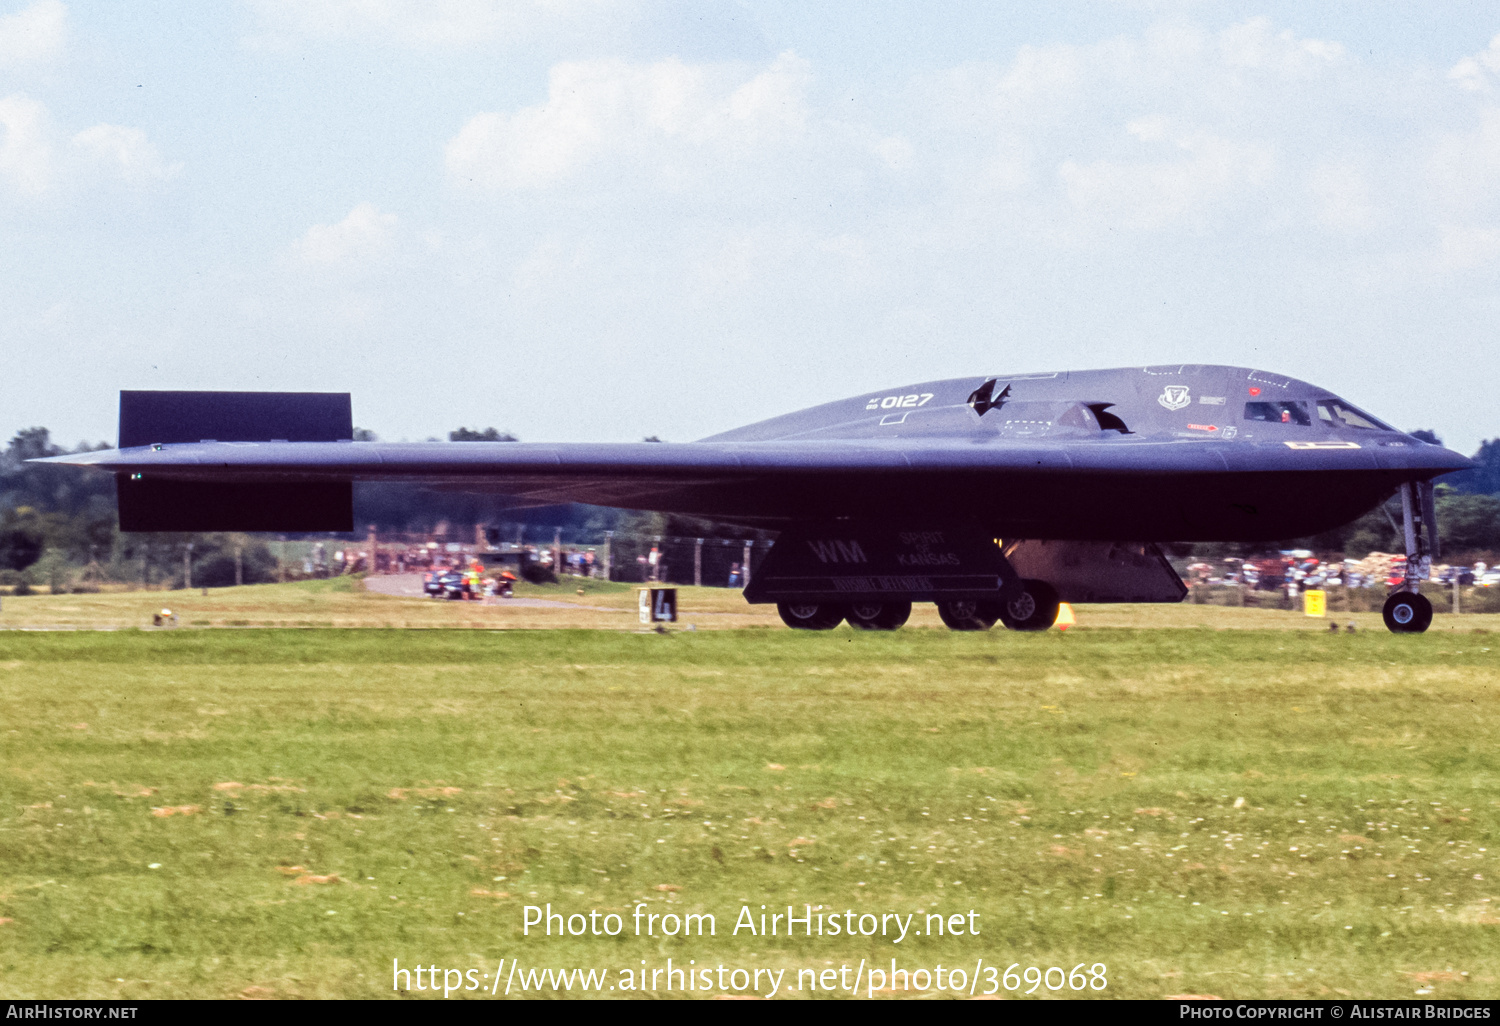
<point x="996" y="496"/>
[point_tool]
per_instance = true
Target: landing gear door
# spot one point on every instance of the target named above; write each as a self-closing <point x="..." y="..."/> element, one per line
<point x="842" y="562"/>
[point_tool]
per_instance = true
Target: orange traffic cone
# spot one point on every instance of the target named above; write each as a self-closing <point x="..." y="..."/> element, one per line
<point x="1064" y="617"/>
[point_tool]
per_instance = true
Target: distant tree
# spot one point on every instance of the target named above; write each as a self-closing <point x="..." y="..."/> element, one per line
<point x="1430" y="437"/>
<point x="489" y="434"/>
<point x="1483" y="479"/>
<point x="651" y="438"/>
<point x="1370" y="533"/>
<point x="23" y="536"/>
<point x="48" y="488"/>
<point x="1465" y="523"/>
<point x="1468" y="522"/>
<point x="365" y="435"/>
<point x="214" y="558"/>
<point x="31" y="443"/>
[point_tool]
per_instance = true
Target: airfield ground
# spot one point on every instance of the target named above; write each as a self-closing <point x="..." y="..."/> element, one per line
<point x="1208" y="800"/>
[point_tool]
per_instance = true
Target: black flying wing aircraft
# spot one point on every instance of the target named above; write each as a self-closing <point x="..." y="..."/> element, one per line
<point x="995" y="497"/>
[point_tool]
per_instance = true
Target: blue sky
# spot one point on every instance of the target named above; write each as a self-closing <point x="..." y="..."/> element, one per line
<point x="580" y="219"/>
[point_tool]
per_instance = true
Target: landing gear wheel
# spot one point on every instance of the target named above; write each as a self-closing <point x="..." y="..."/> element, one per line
<point x="810" y="616"/>
<point x="1035" y="609"/>
<point x="1407" y="613"/>
<point x="968" y="614"/>
<point x="877" y="616"/>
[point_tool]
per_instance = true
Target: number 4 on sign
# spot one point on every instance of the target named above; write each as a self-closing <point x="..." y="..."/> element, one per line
<point x="658" y="605"/>
<point x="665" y="602"/>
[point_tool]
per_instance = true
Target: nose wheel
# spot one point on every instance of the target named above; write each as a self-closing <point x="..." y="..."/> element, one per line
<point x="1407" y="613"/>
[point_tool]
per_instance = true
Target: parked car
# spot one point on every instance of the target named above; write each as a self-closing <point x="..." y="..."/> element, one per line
<point x="449" y="584"/>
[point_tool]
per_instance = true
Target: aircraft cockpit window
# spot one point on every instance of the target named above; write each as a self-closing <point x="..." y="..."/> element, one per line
<point x="1337" y="413"/>
<point x="1279" y="413"/>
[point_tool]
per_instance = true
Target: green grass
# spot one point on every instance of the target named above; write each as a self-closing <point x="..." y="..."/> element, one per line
<point x="1121" y="796"/>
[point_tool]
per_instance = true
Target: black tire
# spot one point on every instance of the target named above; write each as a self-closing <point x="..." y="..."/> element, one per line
<point x="877" y="616"/>
<point x="1407" y="613"/>
<point x="1035" y="609"/>
<point x="810" y="616"/>
<point x="968" y="614"/>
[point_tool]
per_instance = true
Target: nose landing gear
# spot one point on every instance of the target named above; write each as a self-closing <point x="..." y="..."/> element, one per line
<point x="1407" y="610"/>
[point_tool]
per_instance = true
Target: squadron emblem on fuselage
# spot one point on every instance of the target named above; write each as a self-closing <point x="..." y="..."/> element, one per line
<point x="1174" y="397"/>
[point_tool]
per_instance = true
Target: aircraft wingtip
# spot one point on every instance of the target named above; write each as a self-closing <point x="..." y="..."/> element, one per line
<point x="76" y="459"/>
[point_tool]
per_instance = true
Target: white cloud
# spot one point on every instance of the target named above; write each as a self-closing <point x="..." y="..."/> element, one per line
<point x="124" y="152"/>
<point x="35" y="160"/>
<point x="365" y="236"/>
<point x="667" y="117"/>
<point x="423" y="23"/>
<point x="25" y="152"/>
<point x="1256" y="44"/>
<point x="1170" y="65"/>
<point x="34" y="34"/>
<point x="1179" y="128"/>
<point x="1207" y="175"/>
<point x="1477" y="73"/>
<point x="1219" y="125"/>
<point x="1216" y="124"/>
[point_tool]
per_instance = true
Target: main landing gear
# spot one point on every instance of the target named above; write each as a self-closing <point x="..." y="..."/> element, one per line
<point x="969" y="614"/>
<point x="810" y="616"/>
<point x="1407" y="610"/>
<point x="825" y="616"/>
<point x="877" y="616"/>
<point x="1035" y="609"/>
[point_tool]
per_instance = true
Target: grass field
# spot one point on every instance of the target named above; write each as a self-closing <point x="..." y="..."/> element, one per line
<point x="1261" y="811"/>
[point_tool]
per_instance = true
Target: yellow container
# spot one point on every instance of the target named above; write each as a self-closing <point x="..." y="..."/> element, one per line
<point x="1315" y="602"/>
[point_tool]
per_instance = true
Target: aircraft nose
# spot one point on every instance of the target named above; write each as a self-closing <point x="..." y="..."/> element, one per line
<point x="1452" y="460"/>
